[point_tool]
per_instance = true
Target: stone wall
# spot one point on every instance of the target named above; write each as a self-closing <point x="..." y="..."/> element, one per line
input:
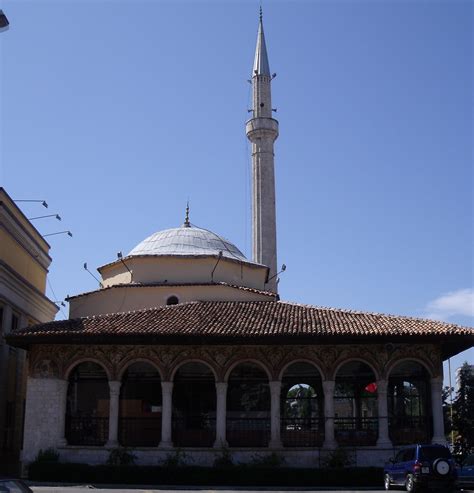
<point x="44" y="416"/>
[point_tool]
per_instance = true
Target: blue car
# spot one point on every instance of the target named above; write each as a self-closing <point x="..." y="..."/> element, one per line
<point x="421" y="466"/>
<point x="466" y="472"/>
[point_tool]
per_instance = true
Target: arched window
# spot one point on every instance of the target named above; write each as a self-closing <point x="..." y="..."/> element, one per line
<point x="194" y="406"/>
<point x="140" y="406"/>
<point x="355" y="405"/>
<point x="409" y="404"/>
<point x="302" y="406"/>
<point x="87" y="414"/>
<point x="248" y="407"/>
<point x="172" y="300"/>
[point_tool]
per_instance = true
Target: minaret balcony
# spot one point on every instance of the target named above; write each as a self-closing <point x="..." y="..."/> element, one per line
<point x="261" y="127"/>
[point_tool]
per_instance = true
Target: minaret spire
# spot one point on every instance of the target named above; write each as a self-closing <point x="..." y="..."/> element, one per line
<point x="260" y="64"/>
<point x="187" y="224"/>
<point x="262" y="131"/>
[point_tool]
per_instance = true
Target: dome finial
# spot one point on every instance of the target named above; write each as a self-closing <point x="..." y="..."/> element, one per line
<point x="261" y="13"/>
<point x="187" y="224"/>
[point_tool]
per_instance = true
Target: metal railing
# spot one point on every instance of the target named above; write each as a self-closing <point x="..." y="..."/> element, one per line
<point x="356" y="431"/>
<point x="404" y="430"/>
<point x="302" y="432"/>
<point x="193" y="431"/>
<point x="248" y="432"/>
<point x="139" y="432"/>
<point x="86" y="430"/>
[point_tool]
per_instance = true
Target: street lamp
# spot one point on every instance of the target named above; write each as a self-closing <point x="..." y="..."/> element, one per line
<point x="3" y="21"/>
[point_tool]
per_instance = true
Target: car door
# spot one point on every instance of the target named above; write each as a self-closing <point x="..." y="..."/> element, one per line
<point x="466" y="474"/>
<point x="407" y="461"/>
<point x="398" y="468"/>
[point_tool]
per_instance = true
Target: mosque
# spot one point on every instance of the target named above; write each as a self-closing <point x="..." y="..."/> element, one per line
<point x="187" y="345"/>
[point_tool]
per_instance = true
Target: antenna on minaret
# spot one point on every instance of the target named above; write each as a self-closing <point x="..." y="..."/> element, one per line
<point x="187" y="224"/>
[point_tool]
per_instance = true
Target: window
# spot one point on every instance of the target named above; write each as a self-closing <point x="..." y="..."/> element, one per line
<point x="408" y="455"/>
<point x="172" y="300"/>
<point x="15" y="322"/>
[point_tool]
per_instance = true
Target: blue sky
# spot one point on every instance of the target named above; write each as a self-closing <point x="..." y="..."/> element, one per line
<point x="117" y="112"/>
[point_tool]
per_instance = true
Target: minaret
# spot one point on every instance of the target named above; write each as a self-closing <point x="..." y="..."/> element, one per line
<point x="262" y="131"/>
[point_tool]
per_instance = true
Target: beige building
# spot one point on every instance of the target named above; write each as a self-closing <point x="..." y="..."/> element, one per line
<point x="187" y="344"/>
<point x="24" y="262"/>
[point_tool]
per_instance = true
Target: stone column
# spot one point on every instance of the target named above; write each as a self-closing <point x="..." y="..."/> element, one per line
<point x="167" y="402"/>
<point x="383" y="440"/>
<point x="62" y="404"/>
<point x="221" y="411"/>
<point x="275" y="393"/>
<point x="113" y="413"/>
<point x="329" y="440"/>
<point x="437" y="407"/>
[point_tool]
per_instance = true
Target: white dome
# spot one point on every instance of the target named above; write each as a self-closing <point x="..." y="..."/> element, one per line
<point x="187" y="241"/>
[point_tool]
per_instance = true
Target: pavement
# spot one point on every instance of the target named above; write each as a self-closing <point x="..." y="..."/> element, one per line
<point x="144" y="489"/>
<point x="68" y="488"/>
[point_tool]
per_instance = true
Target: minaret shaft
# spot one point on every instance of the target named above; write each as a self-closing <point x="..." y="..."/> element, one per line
<point x="262" y="131"/>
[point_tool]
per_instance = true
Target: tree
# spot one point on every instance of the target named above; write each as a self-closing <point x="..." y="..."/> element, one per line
<point x="463" y="412"/>
<point x="448" y="426"/>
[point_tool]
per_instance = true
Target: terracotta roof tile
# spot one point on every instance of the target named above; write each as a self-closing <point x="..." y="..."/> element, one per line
<point x="231" y="320"/>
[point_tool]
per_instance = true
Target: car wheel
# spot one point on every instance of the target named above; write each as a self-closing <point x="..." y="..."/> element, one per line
<point x="386" y="482"/>
<point x="410" y="484"/>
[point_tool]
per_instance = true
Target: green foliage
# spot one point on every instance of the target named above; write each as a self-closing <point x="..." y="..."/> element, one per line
<point x="267" y="460"/>
<point x="463" y="413"/>
<point x="176" y="459"/>
<point x="238" y="475"/>
<point x="448" y="425"/>
<point x="338" y="458"/>
<point x="48" y="455"/>
<point x="223" y="458"/>
<point x="121" y="456"/>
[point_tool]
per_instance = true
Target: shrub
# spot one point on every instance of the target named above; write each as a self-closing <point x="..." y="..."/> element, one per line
<point x="223" y="458"/>
<point x="121" y="456"/>
<point x="267" y="460"/>
<point x="177" y="459"/>
<point x="338" y="458"/>
<point x="48" y="455"/>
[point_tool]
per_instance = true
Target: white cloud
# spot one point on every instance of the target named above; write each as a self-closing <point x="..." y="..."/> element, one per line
<point x="460" y="302"/>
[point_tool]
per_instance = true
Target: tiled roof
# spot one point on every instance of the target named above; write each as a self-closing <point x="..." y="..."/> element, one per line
<point x="251" y="321"/>
<point x="168" y="285"/>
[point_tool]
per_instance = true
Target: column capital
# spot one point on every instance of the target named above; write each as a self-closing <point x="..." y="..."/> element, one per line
<point x="221" y="387"/>
<point x="114" y="387"/>
<point x="275" y="386"/>
<point x="382" y="386"/>
<point x="167" y="387"/>
<point x="437" y="382"/>
<point x="328" y="386"/>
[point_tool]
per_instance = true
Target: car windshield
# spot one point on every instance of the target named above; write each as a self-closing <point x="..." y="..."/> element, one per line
<point x="14" y="486"/>
<point x="430" y="453"/>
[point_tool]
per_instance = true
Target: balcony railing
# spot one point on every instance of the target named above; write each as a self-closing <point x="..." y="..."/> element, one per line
<point x="86" y="430"/>
<point x="404" y="430"/>
<point x="302" y="432"/>
<point x="194" y="431"/>
<point x="139" y="432"/>
<point x="356" y="431"/>
<point x="248" y="432"/>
